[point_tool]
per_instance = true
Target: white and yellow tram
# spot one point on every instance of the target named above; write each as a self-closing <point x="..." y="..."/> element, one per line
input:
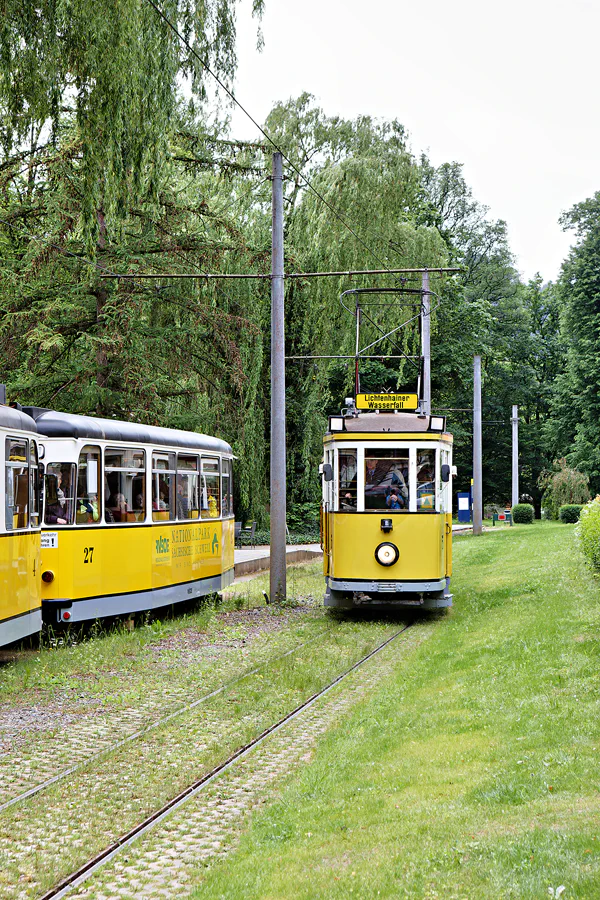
<point x="20" y="609"/>
<point x="136" y="517"/>
<point x="387" y="510"/>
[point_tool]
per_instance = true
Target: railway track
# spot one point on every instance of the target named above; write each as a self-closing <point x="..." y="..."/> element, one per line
<point x="230" y="811"/>
<point x="157" y="723"/>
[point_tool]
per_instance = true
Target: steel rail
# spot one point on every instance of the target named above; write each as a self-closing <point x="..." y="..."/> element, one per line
<point x="146" y="729"/>
<point x="72" y="881"/>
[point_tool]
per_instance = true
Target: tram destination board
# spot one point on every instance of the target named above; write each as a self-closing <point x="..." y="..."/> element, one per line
<point x="408" y="402"/>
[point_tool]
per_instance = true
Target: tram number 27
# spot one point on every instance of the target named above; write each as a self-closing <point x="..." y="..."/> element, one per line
<point x="88" y="554"/>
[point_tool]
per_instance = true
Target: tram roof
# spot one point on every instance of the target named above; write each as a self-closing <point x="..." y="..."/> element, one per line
<point x="52" y="423"/>
<point x="400" y="423"/>
<point x="16" y="420"/>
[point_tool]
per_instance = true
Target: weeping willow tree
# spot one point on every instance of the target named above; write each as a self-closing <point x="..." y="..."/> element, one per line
<point x="115" y="67"/>
<point x="369" y="214"/>
<point x="175" y="352"/>
<point x="100" y="160"/>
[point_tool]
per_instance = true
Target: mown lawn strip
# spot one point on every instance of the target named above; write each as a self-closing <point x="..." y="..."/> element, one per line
<point x="474" y="772"/>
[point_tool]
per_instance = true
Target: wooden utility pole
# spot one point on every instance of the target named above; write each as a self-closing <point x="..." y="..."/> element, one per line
<point x="278" y="451"/>
<point x="477" y="449"/>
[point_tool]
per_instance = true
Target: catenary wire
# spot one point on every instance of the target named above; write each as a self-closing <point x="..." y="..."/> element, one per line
<point x="273" y="143"/>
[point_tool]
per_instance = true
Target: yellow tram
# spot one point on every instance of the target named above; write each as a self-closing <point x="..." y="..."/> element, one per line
<point x="20" y="610"/>
<point x="387" y="510"/>
<point x="135" y="517"/>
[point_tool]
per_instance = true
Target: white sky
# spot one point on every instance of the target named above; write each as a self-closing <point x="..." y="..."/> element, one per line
<point x="509" y="89"/>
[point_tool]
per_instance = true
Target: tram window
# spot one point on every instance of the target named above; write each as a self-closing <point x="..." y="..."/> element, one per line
<point x="88" y="501"/>
<point x="17" y="484"/>
<point x="426" y="479"/>
<point x="386" y="479"/>
<point x="226" y="488"/>
<point x="188" y="487"/>
<point x="34" y="485"/>
<point x="210" y="488"/>
<point x="163" y="486"/>
<point x="347" y="481"/>
<point x="124" y="484"/>
<point x="60" y="483"/>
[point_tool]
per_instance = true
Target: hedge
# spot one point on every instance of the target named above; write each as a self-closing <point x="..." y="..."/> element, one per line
<point x="588" y="532"/>
<point x="523" y="514"/>
<point x="310" y="536"/>
<point x="569" y="513"/>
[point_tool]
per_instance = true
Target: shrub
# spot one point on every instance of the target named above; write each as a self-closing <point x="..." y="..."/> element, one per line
<point x="523" y="513"/>
<point x="569" y="513"/>
<point x="492" y="509"/>
<point x="588" y="532"/>
<point x="564" y="486"/>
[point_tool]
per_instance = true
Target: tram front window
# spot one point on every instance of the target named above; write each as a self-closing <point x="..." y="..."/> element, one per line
<point x="347" y="481"/>
<point x="386" y="480"/>
<point x="17" y="484"/>
<point x="60" y="484"/>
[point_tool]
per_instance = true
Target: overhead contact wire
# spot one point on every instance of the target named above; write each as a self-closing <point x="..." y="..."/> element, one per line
<point x="265" y="134"/>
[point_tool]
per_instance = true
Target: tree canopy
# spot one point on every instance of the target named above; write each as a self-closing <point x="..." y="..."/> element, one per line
<point x="111" y="162"/>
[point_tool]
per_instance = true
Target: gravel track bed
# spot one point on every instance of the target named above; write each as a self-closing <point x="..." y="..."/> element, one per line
<point x="37" y="742"/>
<point x="168" y="861"/>
<point x="51" y="834"/>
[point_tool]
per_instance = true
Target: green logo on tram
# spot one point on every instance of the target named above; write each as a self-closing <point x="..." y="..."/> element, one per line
<point x="162" y="545"/>
<point x="215" y="543"/>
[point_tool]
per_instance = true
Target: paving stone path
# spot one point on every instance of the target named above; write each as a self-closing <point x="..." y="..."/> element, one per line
<point x="38" y="743"/>
<point x="167" y="861"/>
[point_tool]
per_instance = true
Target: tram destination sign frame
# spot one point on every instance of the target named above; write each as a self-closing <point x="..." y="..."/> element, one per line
<point x="405" y="401"/>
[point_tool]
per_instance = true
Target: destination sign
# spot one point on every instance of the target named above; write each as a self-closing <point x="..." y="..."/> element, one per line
<point x="387" y="401"/>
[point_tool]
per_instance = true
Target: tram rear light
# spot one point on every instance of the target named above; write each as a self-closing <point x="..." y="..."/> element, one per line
<point x="66" y="615"/>
<point x="48" y="576"/>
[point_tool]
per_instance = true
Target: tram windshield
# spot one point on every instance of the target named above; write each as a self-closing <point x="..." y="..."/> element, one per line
<point x="60" y="485"/>
<point x="386" y="479"/>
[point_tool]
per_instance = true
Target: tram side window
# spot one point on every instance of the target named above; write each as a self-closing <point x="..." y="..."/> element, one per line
<point x="34" y="485"/>
<point x="88" y="501"/>
<point x="59" y="489"/>
<point x="210" y="488"/>
<point x="386" y="479"/>
<point x="163" y="486"/>
<point x="188" y="487"/>
<point x="124" y="485"/>
<point x="226" y="487"/>
<point x="17" y="483"/>
<point x="426" y="479"/>
<point x="347" y="480"/>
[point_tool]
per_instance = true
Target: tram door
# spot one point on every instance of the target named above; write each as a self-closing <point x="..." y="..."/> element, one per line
<point x="446" y="508"/>
<point x="327" y="522"/>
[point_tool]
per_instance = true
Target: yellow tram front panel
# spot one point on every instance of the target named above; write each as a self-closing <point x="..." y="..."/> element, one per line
<point x="420" y="538"/>
<point x="92" y="562"/>
<point x="19" y="574"/>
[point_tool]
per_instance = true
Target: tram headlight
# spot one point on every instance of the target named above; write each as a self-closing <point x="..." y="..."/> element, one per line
<point x="386" y="554"/>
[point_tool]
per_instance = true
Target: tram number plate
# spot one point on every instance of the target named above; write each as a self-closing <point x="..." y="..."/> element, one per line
<point x="387" y="401"/>
<point x="49" y="540"/>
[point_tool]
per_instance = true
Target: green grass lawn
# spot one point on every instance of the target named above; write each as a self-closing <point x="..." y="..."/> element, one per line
<point x="474" y="771"/>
